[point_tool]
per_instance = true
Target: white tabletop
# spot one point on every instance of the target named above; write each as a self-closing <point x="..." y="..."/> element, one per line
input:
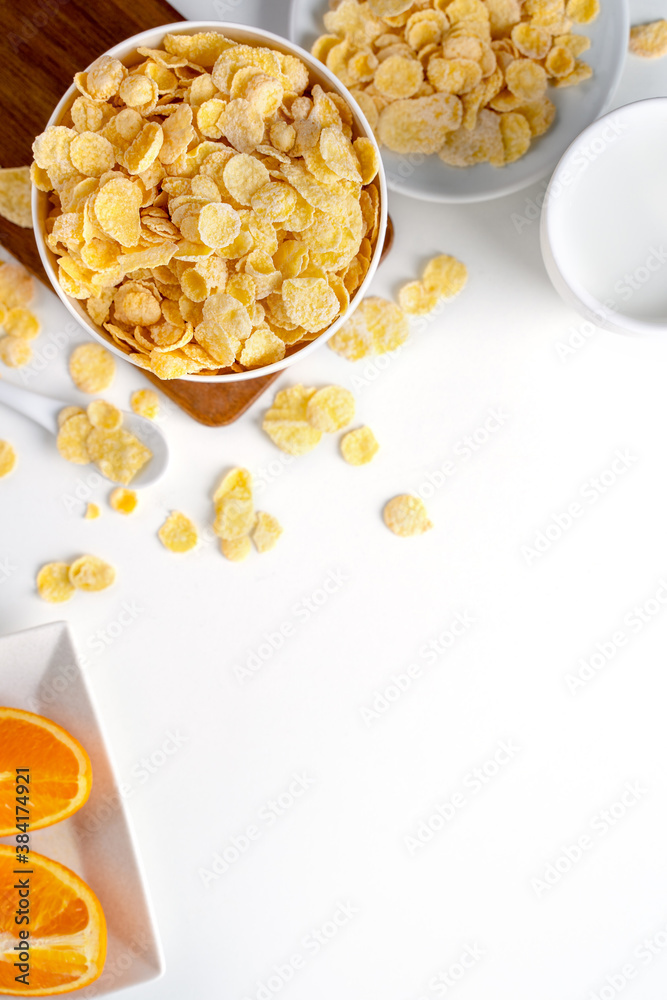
<point x="404" y="665"/>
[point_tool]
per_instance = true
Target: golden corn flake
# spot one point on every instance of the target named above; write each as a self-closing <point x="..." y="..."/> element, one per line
<point x="237" y="549"/>
<point x="67" y="412"/>
<point x="330" y="409"/>
<point x="122" y="500"/>
<point x="406" y="516"/>
<point x="649" y="40"/>
<point x="145" y="403"/>
<point x="53" y="583"/>
<point x="445" y="276"/>
<point x="582" y="11"/>
<point x="377" y="326"/>
<point x="286" y="422"/>
<point x="7" y="458"/>
<point x="178" y="533"/>
<point x="419" y="125"/>
<point x="91" y="367"/>
<point x="416" y="300"/>
<point x="92" y="512"/>
<point x="104" y="415"/>
<point x="118" y="454"/>
<point x="359" y="447"/>
<point x="389" y="8"/>
<point x="516" y="135"/>
<point x="234" y="510"/>
<point x="15" y="352"/>
<point x="91" y="573"/>
<point x="266" y="532"/>
<point x="310" y="303"/>
<point x="20" y="322"/>
<point x="17" y="287"/>
<point x="15" y="196"/>
<point x="73" y="437"/>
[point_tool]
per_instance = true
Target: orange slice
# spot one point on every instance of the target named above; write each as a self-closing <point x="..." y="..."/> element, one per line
<point x="68" y="933"/>
<point x="59" y="771"/>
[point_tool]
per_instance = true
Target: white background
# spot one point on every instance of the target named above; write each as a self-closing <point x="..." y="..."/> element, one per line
<point x="194" y="618"/>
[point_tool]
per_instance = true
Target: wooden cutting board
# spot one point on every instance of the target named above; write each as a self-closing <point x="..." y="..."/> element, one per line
<point x="41" y="48"/>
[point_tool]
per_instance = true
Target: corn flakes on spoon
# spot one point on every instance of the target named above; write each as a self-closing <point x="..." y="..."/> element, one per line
<point x="124" y="446"/>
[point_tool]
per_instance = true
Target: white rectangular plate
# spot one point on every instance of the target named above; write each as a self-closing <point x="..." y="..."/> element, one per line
<point x="39" y="672"/>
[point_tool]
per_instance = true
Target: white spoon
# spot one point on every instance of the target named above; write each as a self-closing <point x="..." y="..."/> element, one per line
<point x="44" y="411"/>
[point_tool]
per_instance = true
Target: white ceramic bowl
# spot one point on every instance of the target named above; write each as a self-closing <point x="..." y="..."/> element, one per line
<point x="247" y="36"/>
<point x="604" y="221"/>
<point x="429" y="179"/>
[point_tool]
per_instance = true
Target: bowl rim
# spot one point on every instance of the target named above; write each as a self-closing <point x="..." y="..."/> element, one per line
<point x="121" y="51"/>
<point x="554" y="252"/>
<point x="622" y="14"/>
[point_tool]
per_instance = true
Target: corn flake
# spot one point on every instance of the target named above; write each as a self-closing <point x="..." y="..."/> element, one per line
<point x="145" y="403"/>
<point x="15" y="352"/>
<point x="359" y="447"/>
<point x="118" y="454"/>
<point x="90" y="573"/>
<point x="122" y="500"/>
<point x="178" y="533"/>
<point x="649" y="40"/>
<point x="330" y="409"/>
<point x="22" y="323"/>
<point x="72" y="439"/>
<point x="92" y="512"/>
<point x="53" y="583"/>
<point x="237" y="549"/>
<point x="15" y="196"/>
<point x="7" y="458"/>
<point x="266" y="532"/>
<point x="91" y="367"/>
<point x="406" y="516"/>
<point x="104" y="415"/>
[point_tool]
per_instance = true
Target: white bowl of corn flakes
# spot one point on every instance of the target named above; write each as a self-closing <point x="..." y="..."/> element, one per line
<point x="209" y="201"/>
<point x="470" y="99"/>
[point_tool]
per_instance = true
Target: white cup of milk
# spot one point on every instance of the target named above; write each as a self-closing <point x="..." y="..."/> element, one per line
<point x="604" y="221"/>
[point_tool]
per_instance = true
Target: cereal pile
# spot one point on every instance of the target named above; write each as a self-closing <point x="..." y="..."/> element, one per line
<point x="20" y="326"/>
<point x="212" y="208"/>
<point x="98" y="436"/>
<point x="57" y="581"/>
<point x="466" y="79"/>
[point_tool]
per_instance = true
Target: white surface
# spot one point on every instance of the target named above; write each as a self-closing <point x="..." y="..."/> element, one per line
<point x="40" y="674"/>
<point x="126" y="50"/>
<point x="161" y="646"/>
<point x="608" y="263"/>
<point x="429" y="178"/>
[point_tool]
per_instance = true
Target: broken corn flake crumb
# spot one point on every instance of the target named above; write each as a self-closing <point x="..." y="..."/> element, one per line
<point x="330" y="409"/>
<point x="145" y="403"/>
<point x="266" y="532"/>
<point x="360" y="446"/>
<point x="92" y="512"/>
<point x="7" y="458"/>
<point x="406" y="516"/>
<point x="178" y="533"/>
<point x="122" y="500"/>
<point x="237" y="549"/>
<point x="54" y="584"/>
<point x="90" y="573"/>
<point x="91" y="367"/>
<point x="649" y="41"/>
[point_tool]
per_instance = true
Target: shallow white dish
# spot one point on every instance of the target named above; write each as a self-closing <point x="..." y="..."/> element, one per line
<point x="40" y="673"/>
<point x="428" y="178"/>
<point x="244" y="35"/>
<point x="604" y="221"/>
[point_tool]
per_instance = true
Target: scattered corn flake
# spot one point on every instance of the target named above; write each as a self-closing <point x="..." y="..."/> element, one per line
<point x="178" y="533"/>
<point x="7" y="458"/>
<point x="118" y="454"/>
<point x="237" y="549"/>
<point x="330" y="409"/>
<point x="92" y="512"/>
<point x="406" y="516"/>
<point x="20" y="322"/>
<point x="69" y="411"/>
<point x="53" y="583"/>
<point x="15" y="352"/>
<point x="386" y="322"/>
<point x="445" y="276"/>
<point x="123" y="500"/>
<point x="145" y="403"/>
<point x="90" y="573"/>
<point x="649" y="41"/>
<point x="234" y="510"/>
<point x="416" y="300"/>
<point x="17" y="287"/>
<point x="15" y="196"/>
<point x="360" y="446"/>
<point x="266" y="531"/>
<point x="91" y="367"/>
<point x="73" y="437"/>
<point x="104" y="415"/>
<point x="286" y="422"/>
